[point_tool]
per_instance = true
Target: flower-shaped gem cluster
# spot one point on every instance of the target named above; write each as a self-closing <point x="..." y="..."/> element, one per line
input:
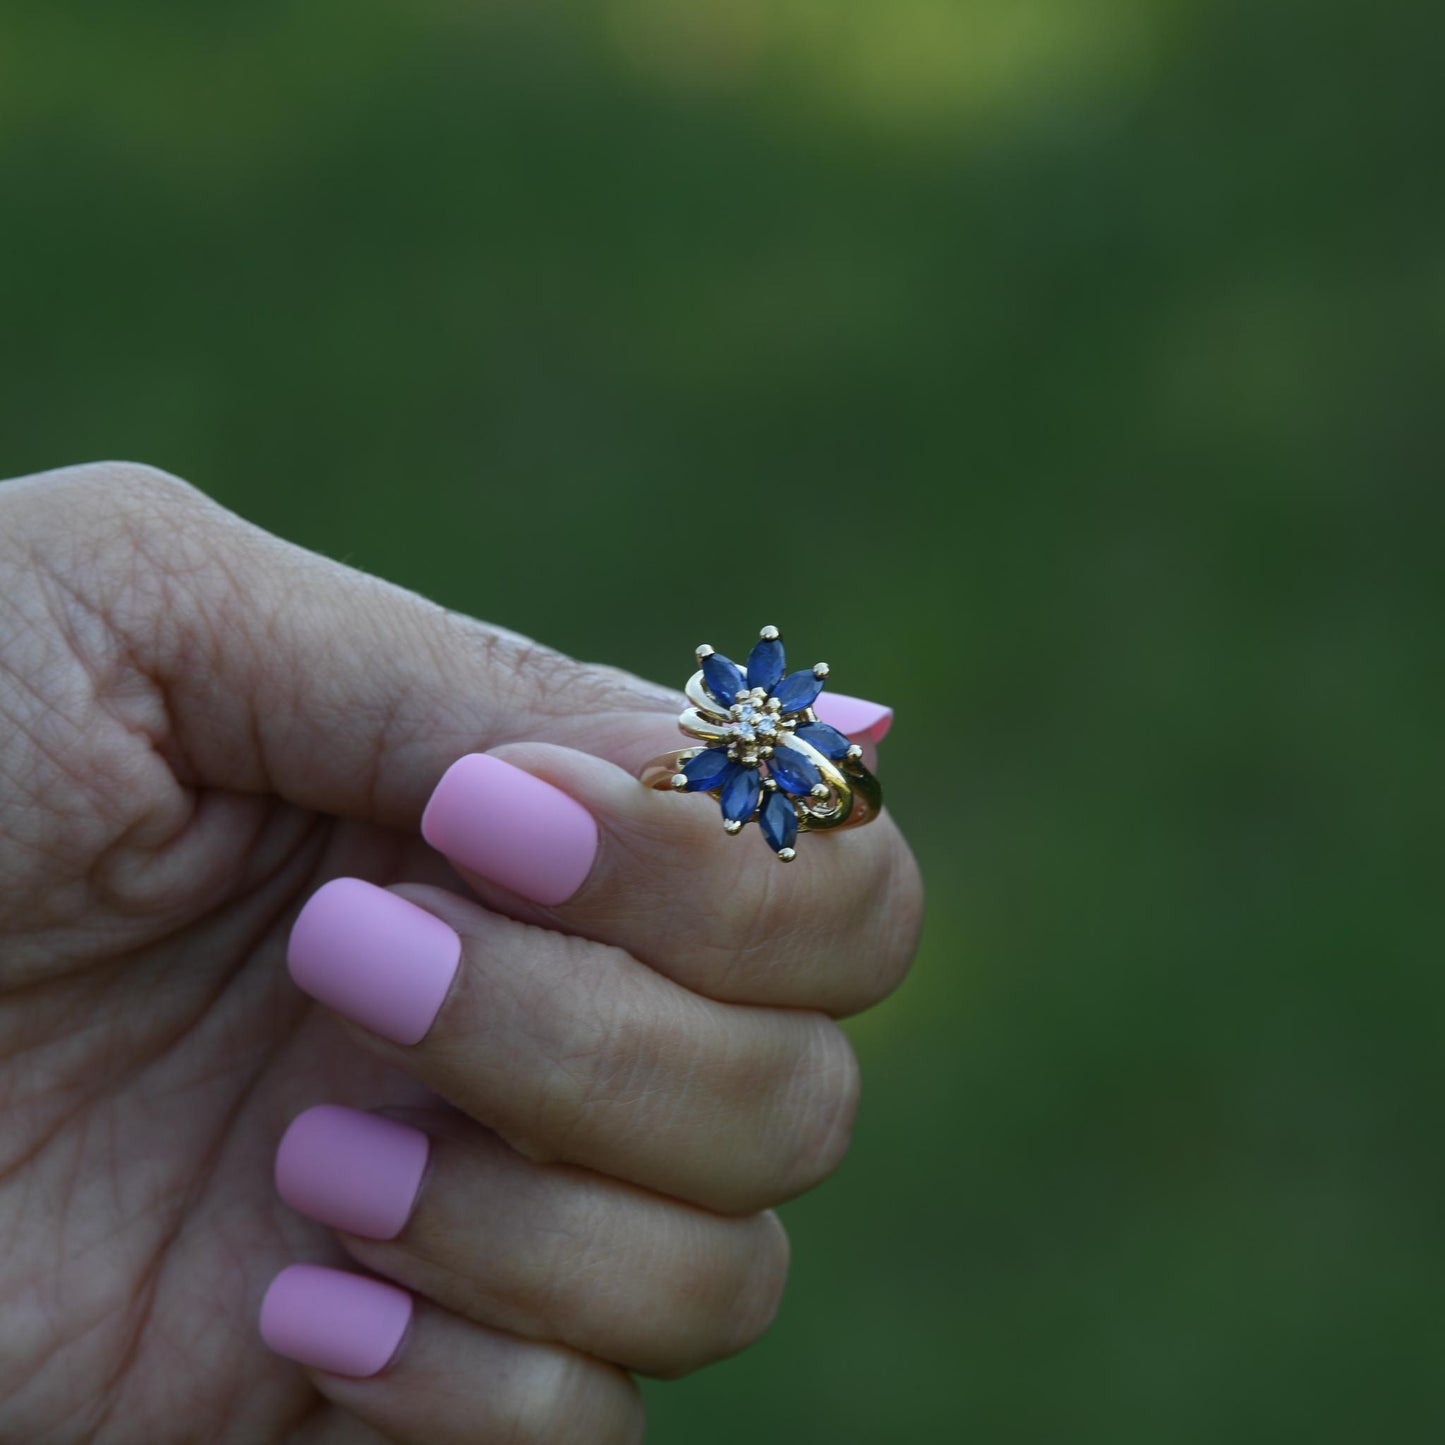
<point x="767" y="752"/>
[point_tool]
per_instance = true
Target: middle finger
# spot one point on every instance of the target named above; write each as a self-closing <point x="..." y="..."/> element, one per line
<point x="574" y="1051"/>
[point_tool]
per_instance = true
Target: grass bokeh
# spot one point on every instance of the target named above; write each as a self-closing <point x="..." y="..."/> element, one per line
<point x="1070" y="378"/>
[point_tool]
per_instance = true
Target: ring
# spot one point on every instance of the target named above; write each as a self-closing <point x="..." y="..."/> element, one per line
<point x="765" y="756"/>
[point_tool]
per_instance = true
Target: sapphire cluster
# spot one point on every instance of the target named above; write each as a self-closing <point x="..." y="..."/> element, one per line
<point x="769" y="744"/>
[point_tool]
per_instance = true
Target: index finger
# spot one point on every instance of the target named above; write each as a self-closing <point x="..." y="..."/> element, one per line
<point x="574" y="842"/>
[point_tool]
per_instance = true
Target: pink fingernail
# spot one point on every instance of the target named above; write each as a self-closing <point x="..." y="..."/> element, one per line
<point x="382" y="962"/>
<point x="854" y="716"/>
<point x="331" y="1320"/>
<point x="512" y="828"/>
<point x="354" y="1171"/>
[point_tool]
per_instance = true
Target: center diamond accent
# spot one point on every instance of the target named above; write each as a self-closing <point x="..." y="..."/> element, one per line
<point x="753" y="724"/>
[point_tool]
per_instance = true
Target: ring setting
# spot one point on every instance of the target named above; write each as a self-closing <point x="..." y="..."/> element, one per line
<point x="765" y="757"/>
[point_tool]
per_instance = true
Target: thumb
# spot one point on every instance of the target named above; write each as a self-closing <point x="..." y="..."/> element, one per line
<point x="285" y="672"/>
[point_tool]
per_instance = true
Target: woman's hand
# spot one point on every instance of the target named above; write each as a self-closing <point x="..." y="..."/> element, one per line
<point x="617" y="1059"/>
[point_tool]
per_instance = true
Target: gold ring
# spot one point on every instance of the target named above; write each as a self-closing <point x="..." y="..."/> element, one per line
<point x="764" y="756"/>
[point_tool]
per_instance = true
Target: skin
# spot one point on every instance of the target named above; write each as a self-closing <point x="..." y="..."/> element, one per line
<point x="199" y="725"/>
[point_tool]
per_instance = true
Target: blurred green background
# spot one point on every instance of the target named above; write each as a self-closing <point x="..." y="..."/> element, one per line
<point x="1069" y="375"/>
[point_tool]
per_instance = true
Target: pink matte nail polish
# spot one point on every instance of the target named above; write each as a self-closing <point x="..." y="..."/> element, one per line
<point x="511" y="828"/>
<point x="854" y="715"/>
<point x="331" y="1320"/>
<point x="380" y="961"/>
<point x="353" y="1171"/>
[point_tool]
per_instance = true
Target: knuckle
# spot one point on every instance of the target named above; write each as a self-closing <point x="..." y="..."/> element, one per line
<point x="563" y="1398"/>
<point x="755" y="936"/>
<point x="542" y="679"/>
<point x="897" y="905"/>
<point x="114" y="532"/>
<point x="822" y="1101"/>
<point x="88" y="504"/>
<point x="555" y="689"/>
<point x="136" y="480"/>
<point x="612" y="1059"/>
<point x="862" y="910"/>
<point x="124" y="491"/>
<point x="758" y="1287"/>
<point x="876" y="933"/>
<point x="716" y="1299"/>
<point x="565" y="684"/>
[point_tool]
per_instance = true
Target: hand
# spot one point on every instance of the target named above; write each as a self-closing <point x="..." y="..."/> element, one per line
<point x="617" y="1059"/>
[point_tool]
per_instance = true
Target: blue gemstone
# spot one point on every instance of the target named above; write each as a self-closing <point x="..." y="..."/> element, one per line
<point x="740" y="794"/>
<point x="794" y="773"/>
<point x="708" y="770"/>
<point x="723" y="679"/>
<point x="797" y="691"/>
<point x="779" y="822"/>
<point x="765" y="664"/>
<point x="828" y="741"/>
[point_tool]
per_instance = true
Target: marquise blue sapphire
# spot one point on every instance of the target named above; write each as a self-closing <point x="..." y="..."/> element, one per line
<point x="828" y="741"/>
<point x="792" y="770"/>
<point x="723" y="678"/>
<point x="740" y="795"/>
<point x="797" y="691"/>
<point x="779" y="821"/>
<point x="766" y="663"/>
<point x="710" y="769"/>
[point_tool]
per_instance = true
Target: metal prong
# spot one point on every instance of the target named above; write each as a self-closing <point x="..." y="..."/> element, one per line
<point x="820" y="669"/>
<point x="786" y="855"/>
<point x="819" y="790"/>
<point x="732" y="827"/>
<point x="769" y="785"/>
<point x="769" y="634"/>
<point x="767" y="751"/>
<point x="854" y="753"/>
<point x="679" y="781"/>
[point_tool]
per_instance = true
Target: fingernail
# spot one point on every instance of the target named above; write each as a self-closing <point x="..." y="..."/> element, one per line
<point x="353" y="1171"/>
<point x="378" y="960"/>
<point x="512" y="828"/>
<point x="331" y="1320"/>
<point x="854" y="715"/>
